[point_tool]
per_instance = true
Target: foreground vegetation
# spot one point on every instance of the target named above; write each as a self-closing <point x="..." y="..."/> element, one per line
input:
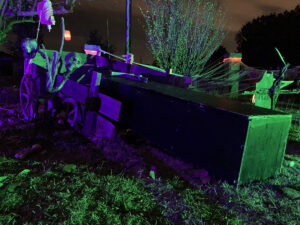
<point x="55" y="193"/>
<point x="36" y="191"/>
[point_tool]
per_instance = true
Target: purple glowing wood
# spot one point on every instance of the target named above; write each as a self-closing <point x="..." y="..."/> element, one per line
<point x="67" y="7"/>
<point x="152" y="74"/>
<point x="110" y="107"/>
<point x="104" y="128"/>
<point x="90" y="123"/>
<point x="128" y="27"/>
<point x="74" y="90"/>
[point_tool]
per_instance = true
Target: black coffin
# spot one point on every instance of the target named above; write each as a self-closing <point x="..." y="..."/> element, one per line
<point x="234" y="141"/>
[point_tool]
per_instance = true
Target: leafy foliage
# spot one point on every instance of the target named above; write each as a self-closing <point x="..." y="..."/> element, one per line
<point x="96" y="39"/>
<point x="257" y="39"/>
<point x="217" y="56"/>
<point x="183" y="35"/>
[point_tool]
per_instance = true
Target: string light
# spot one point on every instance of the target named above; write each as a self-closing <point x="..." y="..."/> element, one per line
<point x="233" y="59"/>
<point x="91" y="52"/>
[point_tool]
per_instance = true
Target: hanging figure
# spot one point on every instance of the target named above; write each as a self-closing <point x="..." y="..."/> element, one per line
<point x="45" y="12"/>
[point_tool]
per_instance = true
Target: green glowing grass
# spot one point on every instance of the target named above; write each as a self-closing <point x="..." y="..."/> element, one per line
<point x="289" y="107"/>
<point x="55" y="195"/>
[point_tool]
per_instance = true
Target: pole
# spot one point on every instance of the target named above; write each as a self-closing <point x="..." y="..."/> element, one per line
<point x="235" y="68"/>
<point x="128" y="27"/>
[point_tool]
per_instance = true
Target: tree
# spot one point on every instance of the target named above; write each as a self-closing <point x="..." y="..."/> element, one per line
<point x="257" y="39"/>
<point x="96" y="39"/>
<point x="217" y="56"/>
<point x="183" y="34"/>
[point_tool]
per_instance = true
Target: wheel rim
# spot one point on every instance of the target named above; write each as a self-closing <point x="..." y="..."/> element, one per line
<point x="71" y="111"/>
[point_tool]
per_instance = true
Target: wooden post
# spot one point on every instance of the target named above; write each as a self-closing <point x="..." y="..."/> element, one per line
<point x="262" y="98"/>
<point x="128" y="27"/>
<point x="235" y="68"/>
<point x="90" y="123"/>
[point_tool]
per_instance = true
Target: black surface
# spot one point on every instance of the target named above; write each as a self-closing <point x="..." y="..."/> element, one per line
<point x="196" y="97"/>
<point x="205" y="135"/>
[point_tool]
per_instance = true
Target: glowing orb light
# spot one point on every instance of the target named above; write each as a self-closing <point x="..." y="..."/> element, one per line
<point x="67" y="35"/>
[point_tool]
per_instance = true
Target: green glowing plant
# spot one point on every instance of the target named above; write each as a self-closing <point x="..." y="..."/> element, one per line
<point x="54" y="64"/>
<point x="183" y="35"/>
<point x="274" y="91"/>
<point x="53" y="69"/>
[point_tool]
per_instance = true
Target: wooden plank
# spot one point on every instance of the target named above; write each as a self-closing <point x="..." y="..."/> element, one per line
<point x="104" y="128"/>
<point x="74" y="90"/>
<point x="110" y="107"/>
<point x="90" y="123"/>
<point x="152" y="74"/>
<point x="264" y="147"/>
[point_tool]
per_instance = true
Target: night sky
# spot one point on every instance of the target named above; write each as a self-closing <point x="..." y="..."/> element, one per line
<point x="94" y="14"/>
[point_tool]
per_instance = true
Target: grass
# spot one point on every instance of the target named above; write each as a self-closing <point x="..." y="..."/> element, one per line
<point x="291" y="108"/>
<point x="55" y="193"/>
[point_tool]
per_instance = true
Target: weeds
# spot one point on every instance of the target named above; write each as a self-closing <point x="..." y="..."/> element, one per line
<point x="50" y="191"/>
<point x="85" y="197"/>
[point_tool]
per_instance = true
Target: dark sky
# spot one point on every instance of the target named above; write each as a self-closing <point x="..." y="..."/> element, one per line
<point x="94" y="14"/>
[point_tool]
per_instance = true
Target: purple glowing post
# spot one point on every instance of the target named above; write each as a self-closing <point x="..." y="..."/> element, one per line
<point x="128" y="27"/>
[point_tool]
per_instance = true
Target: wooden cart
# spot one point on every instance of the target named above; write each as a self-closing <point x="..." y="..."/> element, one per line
<point x="233" y="141"/>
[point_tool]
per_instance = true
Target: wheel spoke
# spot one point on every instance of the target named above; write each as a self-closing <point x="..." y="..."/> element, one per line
<point x="27" y="88"/>
<point x="26" y="106"/>
<point x="23" y="101"/>
<point x="71" y="122"/>
<point x="31" y="111"/>
<point x="72" y="112"/>
<point x="25" y="95"/>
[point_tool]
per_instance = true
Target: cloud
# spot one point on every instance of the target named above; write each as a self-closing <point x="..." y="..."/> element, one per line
<point x="270" y="6"/>
<point x="229" y="41"/>
<point x="243" y="11"/>
<point x="268" y="9"/>
<point x="94" y="14"/>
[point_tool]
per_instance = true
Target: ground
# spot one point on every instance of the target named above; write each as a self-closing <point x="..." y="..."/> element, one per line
<point x="68" y="174"/>
<point x="131" y="153"/>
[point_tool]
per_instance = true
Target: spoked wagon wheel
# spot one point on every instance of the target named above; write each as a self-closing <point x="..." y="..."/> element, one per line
<point x="72" y="111"/>
<point x="28" y="97"/>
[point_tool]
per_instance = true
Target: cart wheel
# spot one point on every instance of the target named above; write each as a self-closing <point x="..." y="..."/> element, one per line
<point x="28" y="97"/>
<point x="71" y="111"/>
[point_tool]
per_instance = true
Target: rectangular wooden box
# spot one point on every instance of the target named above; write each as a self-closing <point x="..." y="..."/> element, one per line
<point x="233" y="141"/>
